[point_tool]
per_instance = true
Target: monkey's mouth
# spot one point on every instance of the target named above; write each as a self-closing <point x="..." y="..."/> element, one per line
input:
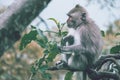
<point x="71" y="24"/>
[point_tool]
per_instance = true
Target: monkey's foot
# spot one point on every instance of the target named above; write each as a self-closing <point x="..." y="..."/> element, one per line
<point x="61" y="64"/>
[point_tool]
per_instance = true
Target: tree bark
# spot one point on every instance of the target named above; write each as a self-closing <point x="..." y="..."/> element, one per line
<point x="16" y="18"/>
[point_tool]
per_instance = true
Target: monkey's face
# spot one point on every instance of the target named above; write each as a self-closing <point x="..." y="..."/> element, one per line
<point x="74" y="19"/>
<point x="70" y="21"/>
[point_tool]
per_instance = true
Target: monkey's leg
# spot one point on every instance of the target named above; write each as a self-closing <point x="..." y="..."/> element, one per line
<point x="61" y="64"/>
<point x="66" y="57"/>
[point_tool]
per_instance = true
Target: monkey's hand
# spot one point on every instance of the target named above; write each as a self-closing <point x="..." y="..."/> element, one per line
<point x="61" y="64"/>
<point x="69" y="39"/>
<point x="60" y="48"/>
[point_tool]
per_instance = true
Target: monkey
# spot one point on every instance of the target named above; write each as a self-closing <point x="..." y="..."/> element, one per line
<point x="84" y="40"/>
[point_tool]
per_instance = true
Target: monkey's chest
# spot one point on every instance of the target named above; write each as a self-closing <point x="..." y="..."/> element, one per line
<point x="74" y="37"/>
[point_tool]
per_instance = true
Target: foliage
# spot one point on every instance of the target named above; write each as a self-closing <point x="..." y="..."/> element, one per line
<point x="117" y="34"/>
<point x="102" y="33"/>
<point x="116" y="48"/>
<point x="68" y="76"/>
<point x="49" y="46"/>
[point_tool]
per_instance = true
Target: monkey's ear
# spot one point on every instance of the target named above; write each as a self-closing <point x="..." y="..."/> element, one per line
<point x="77" y="6"/>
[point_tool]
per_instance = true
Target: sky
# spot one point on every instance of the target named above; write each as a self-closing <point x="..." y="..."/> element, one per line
<point x="58" y="9"/>
<point x="5" y="2"/>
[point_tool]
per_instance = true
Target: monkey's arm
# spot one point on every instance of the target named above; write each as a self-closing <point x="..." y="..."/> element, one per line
<point x="86" y="44"/>
<point x="73" y="48"/>
<point x="69" y="39"/>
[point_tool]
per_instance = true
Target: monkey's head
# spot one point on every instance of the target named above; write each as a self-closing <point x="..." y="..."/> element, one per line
<point x="76" y="16"/>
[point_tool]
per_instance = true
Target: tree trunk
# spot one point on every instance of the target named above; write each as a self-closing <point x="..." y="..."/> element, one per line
<point x="16" y="18"/>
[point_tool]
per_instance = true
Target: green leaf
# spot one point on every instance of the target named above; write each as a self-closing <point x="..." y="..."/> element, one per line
<point x="27" y="38"/>
<point x="64" y="33"/>
<point x="40" y="61"/>
<point x="43" y="68"/>
<point x="56" y="22"/>
<point x="117" y="34"/>
<point x="53" y="19"/>
<point x="115" y="49"/>
<point x="42" y="36"/>
<point x="46" y="76"/>
<point x="41" y="39"/>
<point x="53" y="51"/>
<point x="68" y="76"/>
<point x="33" y="70"/>
<point x="51" y="56"/>
<point x="46" y="51"/>
<point x="58" y="25"/>
<point x="102" y="33"/>
<point x="42" y="43"/>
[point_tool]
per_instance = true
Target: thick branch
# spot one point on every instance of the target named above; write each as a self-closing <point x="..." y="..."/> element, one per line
<point x="96" y="75"/>
<point x="53" y="68"/>
<point x="106" y="58"/>
<point x="111" y="75"/>
<point x="15" y="19"/>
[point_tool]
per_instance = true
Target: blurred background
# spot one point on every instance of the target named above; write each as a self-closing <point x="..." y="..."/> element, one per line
<point x="15" y="64"/>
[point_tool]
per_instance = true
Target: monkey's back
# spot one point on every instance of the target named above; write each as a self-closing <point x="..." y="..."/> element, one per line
<point x="91" y="39"/>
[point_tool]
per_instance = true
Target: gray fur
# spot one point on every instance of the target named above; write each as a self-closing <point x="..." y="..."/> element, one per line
<point x="90" y="43"/>
<point x="90" y="46"/>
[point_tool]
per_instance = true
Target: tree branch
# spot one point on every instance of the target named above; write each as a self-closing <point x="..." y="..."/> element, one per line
<point x="103" y="59"/>
<point x="96" y="75"/>
<point x="16" y="18"/>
